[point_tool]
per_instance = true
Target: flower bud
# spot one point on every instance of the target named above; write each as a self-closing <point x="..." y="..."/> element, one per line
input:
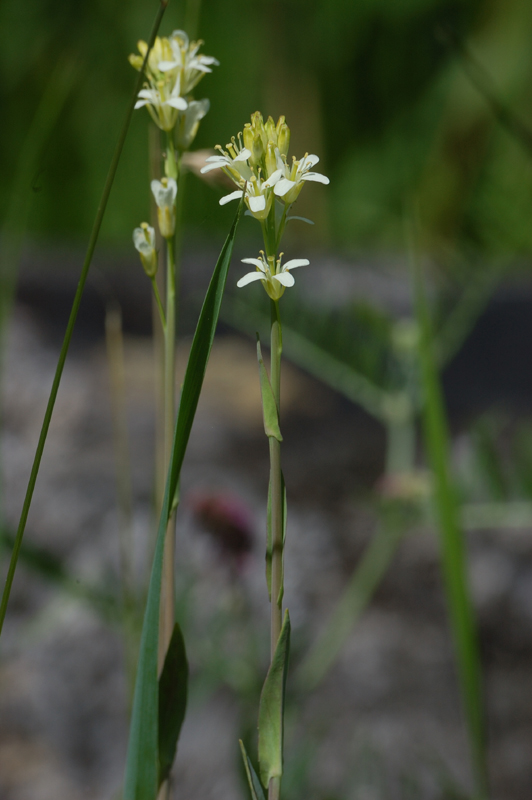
<point x="248" y="137"/>
<point x="283" y="137"/>
<point x="165" y="193"/>
<point x="271" y="160"/>
<point x="270" y="130"/>
<point x="144" y="241"/>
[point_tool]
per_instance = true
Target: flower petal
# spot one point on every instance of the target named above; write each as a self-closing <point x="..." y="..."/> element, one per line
<point x="141" y="103"/>
<point x="257" y="203"/>
<point x="296" y="262"/>
<point x="283" y="186"/>
<point x="249" y="278"/>
<point x="228" y="197"/>
<point x="315" y="176"/>
<point x="165" y="66"/>
<point x="284" y="278"/>
<point x="272" y="180"/>
<point x="256" y="261"/>
<point x="177" y="102"/>
<point x="243" y="155"/>
<point x="308" y="161"/>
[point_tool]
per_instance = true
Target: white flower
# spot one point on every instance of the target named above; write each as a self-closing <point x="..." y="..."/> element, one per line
<point x="274" y="276"/>
<point x="188" y="123"/>
<point x="235" y="163"/>
<point x="173" y="68"/>
<point x="289" y="186"/>
<point x="144" y="241"/>
<point x="165" y="193"/>
<point x="164" y="101"/>
<point x="190" y="65"/>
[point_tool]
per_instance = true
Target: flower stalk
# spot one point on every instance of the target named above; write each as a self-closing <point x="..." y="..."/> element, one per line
<point x="276" y="485"/>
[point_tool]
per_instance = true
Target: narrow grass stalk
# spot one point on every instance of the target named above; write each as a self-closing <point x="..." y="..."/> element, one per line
<point x="70" y="326"/>
<point x="453" y="549"/>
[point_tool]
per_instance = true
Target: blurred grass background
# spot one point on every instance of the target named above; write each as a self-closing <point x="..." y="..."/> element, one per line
<point x="377" y="88"/>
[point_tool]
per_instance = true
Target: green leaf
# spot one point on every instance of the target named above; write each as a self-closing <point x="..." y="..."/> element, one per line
<point x="257" y="792"/>
<point x="271" y="709"/>
<point x="452" y="542"/>
<point x="141" y="779"/>
<point x="173" y="685"/>
<point x="269" y="406"/>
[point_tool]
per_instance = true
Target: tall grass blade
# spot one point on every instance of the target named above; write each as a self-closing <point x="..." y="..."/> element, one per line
<point x="141" y="779"/>
<point x="453" y="553"/>
<point x="70" y="326"/>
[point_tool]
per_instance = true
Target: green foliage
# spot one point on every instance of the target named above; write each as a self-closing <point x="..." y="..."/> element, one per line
<point x="271" y="710"/>
<point x="141" y="780"/>
<point x="173" y="685"/>
<point x="257" y="792"/>
<point x="269" y="406"/>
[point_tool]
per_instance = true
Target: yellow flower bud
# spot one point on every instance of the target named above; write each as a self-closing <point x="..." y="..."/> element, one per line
<point x="248" y="137"/>
<point x="271" y="161"/>
<point x="136" y="61"/>
<point x="283" y="137"/>
<point x="270" y="130"/>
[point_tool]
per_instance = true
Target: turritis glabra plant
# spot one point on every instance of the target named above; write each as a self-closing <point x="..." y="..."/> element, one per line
<point x="174" y="67"/>
<point x="257" y="162"/>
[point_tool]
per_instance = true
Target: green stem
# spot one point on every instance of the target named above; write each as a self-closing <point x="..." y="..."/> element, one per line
<point x="282" y="226"/>
<point x="276" y="490"/>
<point x="171" y="168"/>
<point x="167" y="588"/>
<point x="159" y="302"/>
<point x="71" y="322"/>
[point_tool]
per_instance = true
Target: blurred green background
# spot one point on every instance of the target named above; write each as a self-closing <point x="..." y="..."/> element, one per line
<point x="378" y="88"/>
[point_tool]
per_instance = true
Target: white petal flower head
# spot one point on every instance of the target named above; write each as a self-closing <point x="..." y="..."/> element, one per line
<point x="235" y="162"/>
<point x="275" y="278"/>
<point x="163" y="101"/>
<point x="165" y="193"/>
<point x="289" y="186"/>
<point x="187" y="61"/>
<point x="144" y="241"/>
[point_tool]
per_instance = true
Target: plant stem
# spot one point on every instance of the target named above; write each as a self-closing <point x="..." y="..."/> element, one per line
<point x="158" y="302"/>
<point x="276" y="488"/>
<point x="167" y="588"/>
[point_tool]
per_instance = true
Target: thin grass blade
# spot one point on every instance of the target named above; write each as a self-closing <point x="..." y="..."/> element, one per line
<point x="453" y="552"/>
<point x="255" y="787"/>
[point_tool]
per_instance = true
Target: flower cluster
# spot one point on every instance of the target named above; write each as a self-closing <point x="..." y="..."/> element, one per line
<point x="257" y="162"/>
<point x="174" y="67"/>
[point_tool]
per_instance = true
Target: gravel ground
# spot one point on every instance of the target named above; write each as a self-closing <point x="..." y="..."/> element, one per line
<point x="385" y="723"/>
